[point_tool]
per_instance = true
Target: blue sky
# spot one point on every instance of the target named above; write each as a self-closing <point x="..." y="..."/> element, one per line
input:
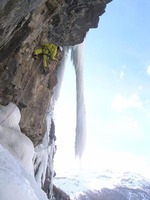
<point x="117" y="92"/>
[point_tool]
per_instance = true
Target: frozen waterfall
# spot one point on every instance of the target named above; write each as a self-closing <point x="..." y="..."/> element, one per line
<point x="77" y="59"/>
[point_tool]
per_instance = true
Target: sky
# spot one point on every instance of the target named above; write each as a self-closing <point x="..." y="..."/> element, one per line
<point x="117" y="93"/>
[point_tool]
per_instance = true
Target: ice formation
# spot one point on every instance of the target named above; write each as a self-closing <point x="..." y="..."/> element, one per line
<point x="13" y="139"/>
<point x="77" y="60"/>
<point x="16" y="154"/>
<point x="15" y="182"/>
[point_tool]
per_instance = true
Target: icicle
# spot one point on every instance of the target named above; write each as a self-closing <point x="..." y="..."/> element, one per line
<point x="77" y="59"/>
<point x="60" y="73"/>
<point x="43" y="160"/>
<point x="43" y="152"/>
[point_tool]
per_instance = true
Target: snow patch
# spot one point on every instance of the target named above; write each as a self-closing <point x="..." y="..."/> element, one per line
<point x="13" y="139"/>
<point x="15" y="182"/>
<point x="10" y="116"/>
<point x="16" y="154"/>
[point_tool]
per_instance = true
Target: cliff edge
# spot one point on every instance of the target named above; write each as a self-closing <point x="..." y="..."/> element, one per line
<point x="25" y="24"/>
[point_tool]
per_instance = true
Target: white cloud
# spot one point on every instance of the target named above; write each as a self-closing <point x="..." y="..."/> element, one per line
<point x="117" y="161"/>
<point x="114" y="73"/>
<point x="121" y="76"/>
<point x="120" y="103"/>
<point x="140" y="87"/>
<point x="148" y="115"/>
<point x="118" y="75"/>
<point x="126" y="126"/>
<point x="148" y="70"/>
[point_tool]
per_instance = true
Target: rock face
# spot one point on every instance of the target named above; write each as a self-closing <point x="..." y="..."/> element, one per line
<point x="21" y="77"/>
<point x="119" y="193"/>
<point x="24" y="24"/>
<point x="59" y="194"/>
<point x="71" y="22"/>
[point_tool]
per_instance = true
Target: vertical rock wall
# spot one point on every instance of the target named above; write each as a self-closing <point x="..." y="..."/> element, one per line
<point x="25" y="25"/>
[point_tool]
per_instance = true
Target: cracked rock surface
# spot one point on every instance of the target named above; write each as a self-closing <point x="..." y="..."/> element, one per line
<point x="25" y="24"/>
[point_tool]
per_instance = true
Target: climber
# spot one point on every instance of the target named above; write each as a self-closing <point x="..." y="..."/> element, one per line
<point x="46" y="50"/>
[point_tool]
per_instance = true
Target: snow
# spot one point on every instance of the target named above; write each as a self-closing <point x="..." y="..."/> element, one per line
<point x="16" y="154"/>
<point x="15" y="182"/>
<point x="13" y="139"/>
<point x="83" y="180"/>
<point x="19" y="145"/>
<point x="10" y="116"/>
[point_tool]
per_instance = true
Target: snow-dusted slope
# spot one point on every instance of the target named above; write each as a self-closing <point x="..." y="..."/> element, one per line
<point x="105" y="185"/>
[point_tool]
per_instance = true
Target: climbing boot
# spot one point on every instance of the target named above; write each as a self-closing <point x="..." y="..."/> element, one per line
<point x="45" y="70"/>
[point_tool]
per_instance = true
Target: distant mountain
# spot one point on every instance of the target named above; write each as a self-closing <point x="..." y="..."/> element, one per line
<point x="119" y="193"/>
<point x="105" y="185"/>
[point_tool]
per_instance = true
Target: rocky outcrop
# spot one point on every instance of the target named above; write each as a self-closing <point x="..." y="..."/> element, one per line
<point x="24" y="25"/>
<point x="71" y="22"/>
<point x="118" y="193"/>
<point x="67" y="21"/>
<point x="59" y="194"/>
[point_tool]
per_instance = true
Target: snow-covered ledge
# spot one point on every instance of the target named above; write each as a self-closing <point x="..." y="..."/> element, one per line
<point x="16" y="153"/>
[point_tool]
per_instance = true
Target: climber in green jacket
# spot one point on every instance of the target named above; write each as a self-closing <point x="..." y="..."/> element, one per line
<point x="46" y="50"/>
